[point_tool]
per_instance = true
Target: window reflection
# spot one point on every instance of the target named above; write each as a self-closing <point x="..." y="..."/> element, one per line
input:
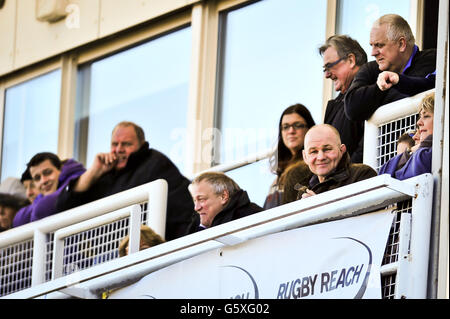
<point x="269" y="60"/>
<point x="254" y="178"/>
<point x="148" y="85"/>
<point x="31" y="121"/>
<point x="355" y="18"/>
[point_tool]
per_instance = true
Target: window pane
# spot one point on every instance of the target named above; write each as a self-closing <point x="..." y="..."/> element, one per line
<point x="31" y="122"/>
<point x="148" y="85"/>
<point x="257" y="188"/>
<point x="355" y="18"/>
<point x="269" y="61"/>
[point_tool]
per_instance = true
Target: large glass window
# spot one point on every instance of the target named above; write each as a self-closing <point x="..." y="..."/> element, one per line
<point x="355" y="18"/>
<point x="147" y="85"/>
<point x="31" y="121"/>
<point x="269" y="61"/>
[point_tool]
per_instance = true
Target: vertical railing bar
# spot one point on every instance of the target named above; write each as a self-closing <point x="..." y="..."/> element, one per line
<point x="404" y="237"/>
<point x="134" y="229"/>
<point x="39" y="255"/>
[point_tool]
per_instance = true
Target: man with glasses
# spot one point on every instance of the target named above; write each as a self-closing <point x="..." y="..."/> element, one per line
<point x="400" y="69"/>
<point x="342" y="57"/>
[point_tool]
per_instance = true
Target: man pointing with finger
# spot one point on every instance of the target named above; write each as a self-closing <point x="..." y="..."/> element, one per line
<point x="400" y="69"/>
<point x="131" y="163"/>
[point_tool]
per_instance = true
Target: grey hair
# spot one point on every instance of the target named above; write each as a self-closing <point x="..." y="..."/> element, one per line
<point x="219" y="182"/>
<point x="137" y="129"/>
<point x="345" y="46"/>
<point x="397" y="27"/>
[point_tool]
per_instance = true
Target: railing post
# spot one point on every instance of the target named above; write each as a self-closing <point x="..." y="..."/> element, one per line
<point x="58" y="254"/>
<point x="134" y="230"/>
<point x="403" y="271"/>
<point x="39" y="252"/>
<point x="157" y="206"/>
<point x="370" y="144"/>
<point x="420" y="235"/>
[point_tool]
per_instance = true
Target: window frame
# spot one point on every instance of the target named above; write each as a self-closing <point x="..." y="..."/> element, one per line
<point x="203" y="17"/>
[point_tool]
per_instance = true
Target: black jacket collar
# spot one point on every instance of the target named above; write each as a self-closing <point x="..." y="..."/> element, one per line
<point x="340" y="173"/>
<point x="135" y="158"/>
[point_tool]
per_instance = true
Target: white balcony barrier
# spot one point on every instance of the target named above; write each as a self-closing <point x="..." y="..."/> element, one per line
<point x="37" y="244"/>
<point x="26" y="252"/>
<point x="348" y="201"/>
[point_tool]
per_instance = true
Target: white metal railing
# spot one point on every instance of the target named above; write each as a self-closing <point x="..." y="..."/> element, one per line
<point x="240" y="163"/>
<point x="351" y="200"/>
<point x="39" y="236"/>
<point x="134" y="212"/>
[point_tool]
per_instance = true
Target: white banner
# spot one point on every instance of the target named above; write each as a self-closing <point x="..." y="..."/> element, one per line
<point x="339" y="259"/>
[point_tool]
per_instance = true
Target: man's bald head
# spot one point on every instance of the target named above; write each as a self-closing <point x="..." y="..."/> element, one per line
<point x="323" y="150"/>
<point x="324" y="129"/>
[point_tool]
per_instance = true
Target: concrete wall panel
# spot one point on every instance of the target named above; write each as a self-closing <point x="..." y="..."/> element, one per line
<point x="37" y="40"/>
<point x="7" y="35"/>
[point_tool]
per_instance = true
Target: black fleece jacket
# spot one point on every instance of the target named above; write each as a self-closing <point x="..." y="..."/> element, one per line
<point x="143" y="166"/>
<point x="364" y="97"/>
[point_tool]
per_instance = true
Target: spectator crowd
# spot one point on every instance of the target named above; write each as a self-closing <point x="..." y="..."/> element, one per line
<point x="309" y="159"/>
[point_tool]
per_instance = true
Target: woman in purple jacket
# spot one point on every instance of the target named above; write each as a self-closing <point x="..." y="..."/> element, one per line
<point x="410" y="164"/>
<point x="50" y="176"/>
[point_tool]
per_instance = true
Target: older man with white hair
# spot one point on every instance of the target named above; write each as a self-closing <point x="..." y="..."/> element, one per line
<point x="400" y="69"/>
<point x="217" y="200"/>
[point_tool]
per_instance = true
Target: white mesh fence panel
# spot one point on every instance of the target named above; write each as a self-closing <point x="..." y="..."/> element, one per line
<point x="16" y="262"/>
<point x="388" y="135"/>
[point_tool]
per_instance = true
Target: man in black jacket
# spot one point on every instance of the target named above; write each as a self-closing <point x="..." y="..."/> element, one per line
<point x="328" y="160"/>
<point x="400" y="69"/>
<point x="131" y="163"/>
<point x="342" y="58"/>
<point x="217" y="200"/>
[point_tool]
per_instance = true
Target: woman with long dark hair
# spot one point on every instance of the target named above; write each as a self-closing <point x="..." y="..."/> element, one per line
<point x="294" y="122"/>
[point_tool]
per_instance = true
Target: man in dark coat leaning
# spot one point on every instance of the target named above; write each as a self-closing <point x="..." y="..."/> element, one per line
<point x="130" y="163"/>
<point x="400" y="69"/>
<point x="217" y="200"/>
<point x="342" y="59"/>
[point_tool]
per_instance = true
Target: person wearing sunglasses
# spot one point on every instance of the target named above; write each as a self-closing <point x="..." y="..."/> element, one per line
<point x="342" y="58"/>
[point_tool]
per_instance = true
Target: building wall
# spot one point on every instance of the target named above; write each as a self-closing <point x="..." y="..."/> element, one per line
<point x="94" y="30"/>
<point x="26" y="40"/>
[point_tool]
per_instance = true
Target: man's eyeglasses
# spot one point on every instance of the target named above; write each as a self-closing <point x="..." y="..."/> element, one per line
<point x="295" y="126"/>
<point x="328" y="66"/>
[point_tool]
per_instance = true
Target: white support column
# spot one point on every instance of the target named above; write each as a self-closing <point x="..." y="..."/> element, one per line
<point x="402" y="279"/>
<point x="371" y="140"/>
<point x="39" y="252"/>
<point x="134" y="231"/>
<point x="420" y="236"/>
<point x="157" y="206"/>
<point x="58" y="254"/>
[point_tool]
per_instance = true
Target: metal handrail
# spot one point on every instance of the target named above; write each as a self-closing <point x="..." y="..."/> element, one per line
<point x="155" y="193"/>
<point x="365" y="196"/>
